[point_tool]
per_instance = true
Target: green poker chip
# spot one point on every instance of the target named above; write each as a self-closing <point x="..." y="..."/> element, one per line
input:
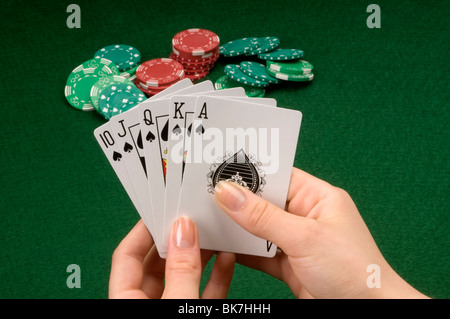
<point x="257" y="71"/>
<point x="266" y="44"/>
<point x="282" y="54"/>
<point x="291" y="67"/>
<point x="128" y="73"/>
<point x="225" y="82"/>
<point x="291" y="77"/>
<point x="81" y="80"/>
<point x="107" y="66"/>
<point x="239" y="47"/>
<point x="235" y="72"/>
<point x="124" y="56"/>
<point x="98" y="87"/>
<point x="118" y="98"/>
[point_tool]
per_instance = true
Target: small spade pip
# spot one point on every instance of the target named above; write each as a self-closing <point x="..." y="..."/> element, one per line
<point x="117" y="156"/>
<point x="176" y="130"/>
<point x="200" y="129"/>
<point x="150" y="136"/>
<point x="127" y="147"/>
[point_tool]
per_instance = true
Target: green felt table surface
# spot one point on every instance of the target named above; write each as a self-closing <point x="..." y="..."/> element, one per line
<point x="375" y="122"/>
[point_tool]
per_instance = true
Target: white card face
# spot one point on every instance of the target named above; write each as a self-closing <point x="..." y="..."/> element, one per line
<point x="107" y="141"/>
<point x="127" y="159"/>
<point x="254" y="100"/>
<point x="127" y="133"/>
<point x="237" y="92"/>
<point x="247" y="143"/>
<point x="153" y="117"/>
<point x="180" y="118"/>
<point x="181" y="112"/>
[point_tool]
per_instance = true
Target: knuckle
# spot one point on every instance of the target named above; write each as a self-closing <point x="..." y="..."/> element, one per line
<point x="259" y="215"/>
<point x="183" y="265"/>
<point x="340" y="194"/>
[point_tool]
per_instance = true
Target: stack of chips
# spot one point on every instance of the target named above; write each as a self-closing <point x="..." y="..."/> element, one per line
<point x="197" y="50"/>
<point x="295" y="70"/>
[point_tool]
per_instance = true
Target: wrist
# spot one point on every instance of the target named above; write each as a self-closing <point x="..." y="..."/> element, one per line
<point x="392" y="286"/>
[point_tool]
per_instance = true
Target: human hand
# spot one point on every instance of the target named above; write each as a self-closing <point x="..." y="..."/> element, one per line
<point x="137" y="271"/>
<point x="325" y="244"/>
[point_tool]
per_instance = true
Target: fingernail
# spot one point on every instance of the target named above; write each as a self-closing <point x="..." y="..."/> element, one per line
<point x="229" y="195"/>
<point x="184" y="232"/>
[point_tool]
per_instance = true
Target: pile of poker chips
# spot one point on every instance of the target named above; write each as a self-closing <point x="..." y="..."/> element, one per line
<point x="104" y="83"/>
<point x="112" y="95"/>
<point x="115" y="81"/>
<point x="281" y="64"/>
<point x="83" y="77"/>
<point x="197" y="50"/>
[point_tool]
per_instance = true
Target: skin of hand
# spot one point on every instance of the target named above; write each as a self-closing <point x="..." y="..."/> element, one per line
<point x="325" y="246"/>
<point x="138" y="272"/>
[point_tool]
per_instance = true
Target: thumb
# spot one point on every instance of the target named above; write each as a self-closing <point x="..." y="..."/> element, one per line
<point x="262" y="218"/>
<point x="183" y="262"/>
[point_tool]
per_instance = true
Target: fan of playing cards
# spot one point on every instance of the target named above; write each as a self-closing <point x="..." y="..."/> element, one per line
<point x="170" y="151"/>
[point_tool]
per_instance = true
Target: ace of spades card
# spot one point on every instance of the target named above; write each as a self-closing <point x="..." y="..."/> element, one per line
<point x="245" y="143"/>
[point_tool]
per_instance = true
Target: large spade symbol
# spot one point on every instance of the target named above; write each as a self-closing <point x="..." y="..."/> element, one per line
<point x="165" y="132"/>
<point x="238" y="169"/>
<point x="189" y="130"/>
<point x="139" y="141"/>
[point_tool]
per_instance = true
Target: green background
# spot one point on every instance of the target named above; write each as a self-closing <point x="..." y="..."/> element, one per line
<point x="375" y="122"/>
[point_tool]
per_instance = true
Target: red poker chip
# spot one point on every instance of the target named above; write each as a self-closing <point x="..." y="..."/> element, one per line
<point x="197" y="76"/>
<point x="191" y="71"/>
<point x="160" y="72"/>
<point x="213" y="56"/>
<point x="149" y="92"/>
<point x="152" y="88"/>
<point x="195" y="42"/>
<point x="196" y="59"/>
<point x="196" y="72"/>
<point x="191" y="58"/>
<point x="196" y="64"/>
<point x="146" y="92"/>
